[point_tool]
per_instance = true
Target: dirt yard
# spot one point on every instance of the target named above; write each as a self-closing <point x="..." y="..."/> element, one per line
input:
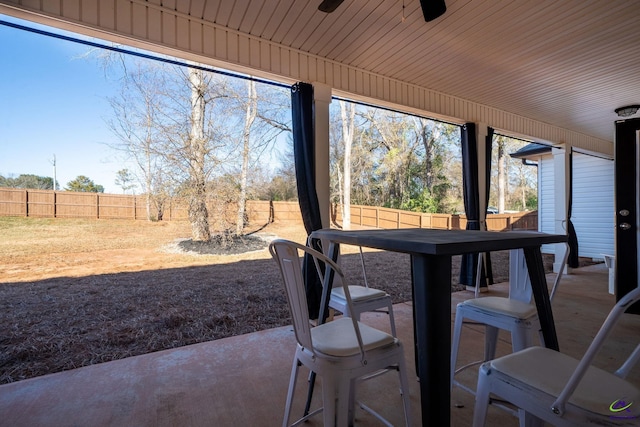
<point x="79" y="292"/>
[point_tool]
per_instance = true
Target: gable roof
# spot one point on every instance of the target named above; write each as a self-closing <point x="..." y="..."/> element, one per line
<point x="531" y="150"/>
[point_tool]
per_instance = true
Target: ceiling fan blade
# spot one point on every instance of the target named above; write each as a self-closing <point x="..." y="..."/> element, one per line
<point x="329" y="6"/>
<point x="432" y="9"/>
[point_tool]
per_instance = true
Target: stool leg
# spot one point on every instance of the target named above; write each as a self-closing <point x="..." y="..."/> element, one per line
<point x="457" y="331"/>
<point x="490" y="342"/>
<point x="343" y="402"/>
<point x="352" y="401"/>
<point x="522" y="338"/>
<point x="292" y="388"/>
<point x="404" y="389"/>
<point x="392" y="319"/>
<point x="482" y="399"/>
<point x="529" y="420"/>
<point x="330" y="394"/>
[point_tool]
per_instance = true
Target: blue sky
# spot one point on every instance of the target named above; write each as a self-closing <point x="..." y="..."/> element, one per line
<point x="53" y="102"/>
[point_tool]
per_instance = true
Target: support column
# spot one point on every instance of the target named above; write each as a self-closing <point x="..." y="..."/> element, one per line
<point x="561" y="184"/>
<point x="322" y="100"/>
<point x="481" y="136"/>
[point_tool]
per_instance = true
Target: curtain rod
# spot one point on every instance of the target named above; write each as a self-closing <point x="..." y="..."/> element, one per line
<point x="365" y="104"/>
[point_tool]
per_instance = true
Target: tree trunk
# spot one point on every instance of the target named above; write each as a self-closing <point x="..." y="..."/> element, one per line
<point x="523" y="186"/>
<point x="250" y="116"/>
<point x="427" y="142"/>
<point x="502" y="174"/>
<point x="348" y="125"/>
<point x="198" y="214"/>
<point x="148" y="183"/>
<point x="148" y="190"/>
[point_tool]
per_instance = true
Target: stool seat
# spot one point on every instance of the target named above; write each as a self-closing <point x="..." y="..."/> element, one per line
<point x="358" y="293"/>
<point x="504" y="306"/>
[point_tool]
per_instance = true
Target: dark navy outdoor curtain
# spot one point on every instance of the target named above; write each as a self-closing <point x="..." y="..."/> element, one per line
<point x="573" y="260"/>
<point x="470" y="196"/>
<point x="302" y="110"/>
<point x="487" y="271"/>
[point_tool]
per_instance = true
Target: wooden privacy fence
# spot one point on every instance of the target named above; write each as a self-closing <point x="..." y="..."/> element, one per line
<point x="67" y="204"/>
<point x="376" y="217"/>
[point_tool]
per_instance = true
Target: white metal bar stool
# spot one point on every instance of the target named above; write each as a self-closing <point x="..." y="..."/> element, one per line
<point x="363" y="298"/>
<point x="515" y="314"/>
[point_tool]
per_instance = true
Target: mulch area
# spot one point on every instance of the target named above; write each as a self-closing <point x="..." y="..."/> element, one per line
<point x="68" y="322"/>
<point x="224" y="245"/>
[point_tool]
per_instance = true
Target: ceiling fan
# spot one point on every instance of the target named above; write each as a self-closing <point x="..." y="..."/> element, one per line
<point x="431" y="9"/>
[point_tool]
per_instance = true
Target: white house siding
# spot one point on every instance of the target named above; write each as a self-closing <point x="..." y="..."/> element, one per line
<point x="593" y="205"/>
<point x="592" y="210"/>
<point x="546" y="205"/>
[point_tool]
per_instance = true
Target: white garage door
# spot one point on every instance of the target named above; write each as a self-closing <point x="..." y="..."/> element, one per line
<point x="593" y="208"/>
<point x="546" y="205"/>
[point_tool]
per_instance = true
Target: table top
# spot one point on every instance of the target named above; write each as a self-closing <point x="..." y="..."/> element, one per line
<point x="439" y="242"/>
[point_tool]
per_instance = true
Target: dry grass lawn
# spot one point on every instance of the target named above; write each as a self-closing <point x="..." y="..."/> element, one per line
<point x="78" y="292"/>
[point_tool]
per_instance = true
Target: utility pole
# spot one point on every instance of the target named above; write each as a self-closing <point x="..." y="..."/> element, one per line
<point x="53" y="162"/>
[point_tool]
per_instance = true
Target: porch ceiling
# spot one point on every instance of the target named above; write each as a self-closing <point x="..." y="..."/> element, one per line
<point x="568" y="63"/>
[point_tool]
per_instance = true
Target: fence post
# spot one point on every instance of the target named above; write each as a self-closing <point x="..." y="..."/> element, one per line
<point x="55" y="204"/>
<point x="97" y="205"/>
<point x="26" y="203"/>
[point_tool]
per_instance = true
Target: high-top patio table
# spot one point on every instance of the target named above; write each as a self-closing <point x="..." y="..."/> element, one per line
<point x="431" y="252"/>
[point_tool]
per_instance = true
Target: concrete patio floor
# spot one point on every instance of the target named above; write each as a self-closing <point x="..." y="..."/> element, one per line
<point x="242" y="381"/>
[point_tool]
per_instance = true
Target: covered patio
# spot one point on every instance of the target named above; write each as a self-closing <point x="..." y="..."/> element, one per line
<point x="243" y="380"/>
<point x="551" y="72"/>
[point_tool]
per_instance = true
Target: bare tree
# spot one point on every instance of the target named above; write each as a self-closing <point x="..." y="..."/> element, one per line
<point x="348" y="113"/>
<point x="388" y="133"/>
<point x="438" y="142"/>
<point x="125" y="180"/>
<point x="250" y="117"/>
<point x="514" y="184"/>
<point x="135" y="119"/>
<point x="163" y="118"/>
<point x="397" y="160"/>
<point x="180" y="125"/>
<point x="196" y="153"/>
<point x="524" y="178"/>
<point x="261" y="114"/>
